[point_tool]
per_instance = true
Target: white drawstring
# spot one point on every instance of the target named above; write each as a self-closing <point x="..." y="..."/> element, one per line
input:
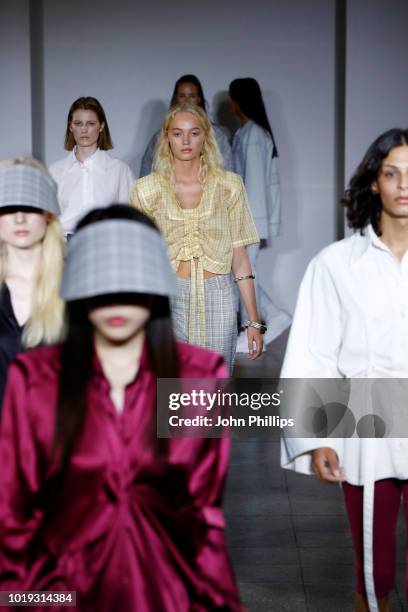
<point x="368" y="531"/>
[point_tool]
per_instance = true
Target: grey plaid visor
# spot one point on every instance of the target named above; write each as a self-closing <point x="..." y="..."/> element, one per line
<point x="117" y="256"/>
<point x="23" y="185"/>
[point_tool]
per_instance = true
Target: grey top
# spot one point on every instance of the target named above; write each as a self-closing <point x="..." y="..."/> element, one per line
<point x="23" y="185"/>
<point x="117" y="256"/>
<point x="220" y="136"/>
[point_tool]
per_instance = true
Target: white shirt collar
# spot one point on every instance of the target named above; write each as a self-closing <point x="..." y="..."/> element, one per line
<point x="96" y="157"/>
<point x="363" y="243"/>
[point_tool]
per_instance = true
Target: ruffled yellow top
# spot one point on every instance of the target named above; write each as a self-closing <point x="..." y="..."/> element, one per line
<point x="205" y="235"/>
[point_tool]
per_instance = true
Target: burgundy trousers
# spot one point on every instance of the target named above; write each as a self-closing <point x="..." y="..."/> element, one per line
<point x="387" y="502"/>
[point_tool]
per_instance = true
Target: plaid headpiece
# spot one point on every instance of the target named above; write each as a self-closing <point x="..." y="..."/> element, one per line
<point x="117" y="256"/>
<point x="23" y="185"/>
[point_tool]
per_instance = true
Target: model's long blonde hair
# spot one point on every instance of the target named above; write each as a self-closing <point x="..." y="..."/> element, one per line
<point x="46" y="323"/>
<point x="210" y="161"/>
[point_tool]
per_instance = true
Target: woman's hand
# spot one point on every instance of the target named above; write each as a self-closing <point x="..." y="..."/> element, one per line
<point x="255" y="342"/>
<point x="325" y="465"/>
<point x="241" y="268"/>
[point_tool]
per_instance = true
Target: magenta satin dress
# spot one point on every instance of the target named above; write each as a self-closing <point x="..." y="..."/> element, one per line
<point x="131" y="532"/>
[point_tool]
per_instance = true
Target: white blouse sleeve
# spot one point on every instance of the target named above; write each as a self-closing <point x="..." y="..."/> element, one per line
<point x="262" y="180"/>
<point x="312" y="351"/>
<point x="275" y="202"/>
<point x="125" y="184"/>
<point x="315" y="337"/>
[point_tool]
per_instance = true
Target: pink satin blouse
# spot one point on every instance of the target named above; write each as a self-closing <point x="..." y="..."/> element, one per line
<point x="131" y="531"/>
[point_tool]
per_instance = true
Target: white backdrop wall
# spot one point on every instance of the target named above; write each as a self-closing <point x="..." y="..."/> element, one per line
<point x="377" y="83"/>
<point x="15" y="96"/>
<point x="129" y="54"/>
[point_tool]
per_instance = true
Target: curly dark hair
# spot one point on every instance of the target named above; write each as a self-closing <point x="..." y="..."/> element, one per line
<point x="362" y="205"/>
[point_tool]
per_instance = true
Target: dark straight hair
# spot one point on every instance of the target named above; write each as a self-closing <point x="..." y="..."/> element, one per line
<point x="362" y="205"/>
<point x="77" y="349"/>
<point x="189" y="78"/>
<point x="247" y="94"/>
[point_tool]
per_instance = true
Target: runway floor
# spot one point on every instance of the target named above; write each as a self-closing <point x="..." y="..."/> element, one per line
<point x="287" y="533"/>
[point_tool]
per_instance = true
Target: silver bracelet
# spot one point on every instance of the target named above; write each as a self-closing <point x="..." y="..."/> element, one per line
<point x="257" y="325"/>
<point x="240" y="278"/>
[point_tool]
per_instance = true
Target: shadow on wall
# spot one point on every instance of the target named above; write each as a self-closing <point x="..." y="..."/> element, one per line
<point x="222" y="114"/>
<point x="150" y="120"/>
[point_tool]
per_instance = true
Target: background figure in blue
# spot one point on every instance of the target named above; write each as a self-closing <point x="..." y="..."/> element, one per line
<point x="188" y="90"/>
<point x="255" y="157"/>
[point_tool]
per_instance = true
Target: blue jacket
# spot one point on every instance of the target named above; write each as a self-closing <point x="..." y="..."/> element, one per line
<point x="252" y="150"/>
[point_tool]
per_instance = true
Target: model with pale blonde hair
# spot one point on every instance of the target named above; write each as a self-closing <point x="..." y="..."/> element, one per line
<point x="31" y="260"/>
<point x="203" y="212"/>
<point x="210" y="160"/>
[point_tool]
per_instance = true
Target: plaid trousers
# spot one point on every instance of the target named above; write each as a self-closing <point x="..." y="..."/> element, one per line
<point x="220" y="315"/>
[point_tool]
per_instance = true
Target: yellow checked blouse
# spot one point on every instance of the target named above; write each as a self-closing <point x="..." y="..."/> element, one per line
<point x="204" y="235"/>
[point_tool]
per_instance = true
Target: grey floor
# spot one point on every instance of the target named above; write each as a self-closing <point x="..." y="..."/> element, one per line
<point x="287" y="533"/>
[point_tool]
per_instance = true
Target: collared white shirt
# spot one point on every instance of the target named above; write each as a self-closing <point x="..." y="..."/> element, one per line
<point x="351" y="320"/>
<point x="100" y="180"/>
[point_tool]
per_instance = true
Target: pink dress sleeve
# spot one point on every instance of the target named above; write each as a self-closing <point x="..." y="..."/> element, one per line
<point x="207" y="460"/>
<point x="19" y="481"/>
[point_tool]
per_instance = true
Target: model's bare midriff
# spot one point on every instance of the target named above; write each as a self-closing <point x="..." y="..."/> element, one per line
<point x="184" y="270"/>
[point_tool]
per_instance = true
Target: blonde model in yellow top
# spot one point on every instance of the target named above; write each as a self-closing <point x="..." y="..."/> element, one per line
<point x="203" y="212"/>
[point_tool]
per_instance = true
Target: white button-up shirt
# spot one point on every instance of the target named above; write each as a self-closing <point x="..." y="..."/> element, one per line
<point x="100" y="180"/>
<point x="351" y="320"/>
